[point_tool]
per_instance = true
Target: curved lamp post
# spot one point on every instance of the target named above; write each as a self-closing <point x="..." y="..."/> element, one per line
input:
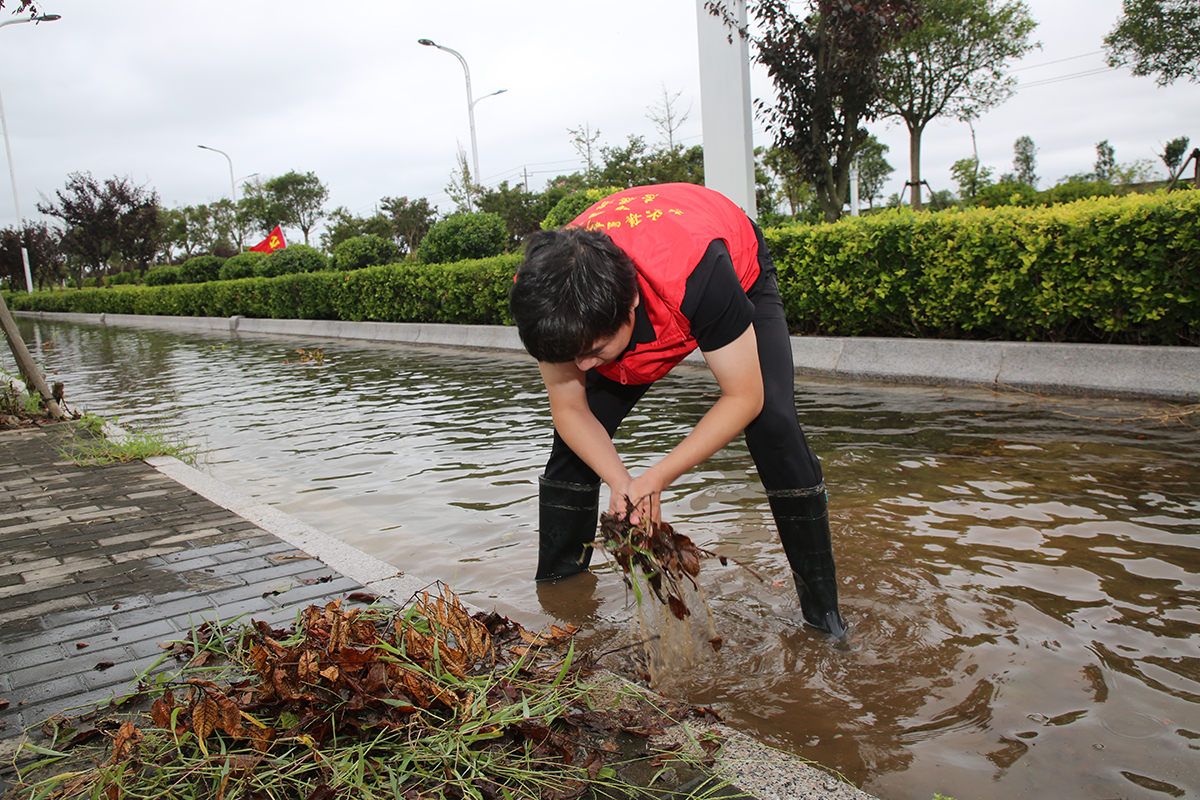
<point x="470" y="100"/>
<point x="8" y="149"/>
<point x="232" y="183"/>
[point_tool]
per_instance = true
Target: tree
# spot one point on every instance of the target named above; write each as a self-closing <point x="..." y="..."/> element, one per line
<point x="1172" y="155"/>
<point x="259" y="207"/>
<point x="873" y="170"/>
<point x="584" y="139"/>
<point x="1106" y="161"/>
<point x="521" y="211"/>
<point x="825" y="68"/>
<point x="42" y="244"/>
<point x="298" y="199"/>
<point x="342" y="226"/>
<point x="410" y="220"/>
<point x="636" y="165"/>
<point x="667" y="119"/>
<point x="463" y="190"/>
<point x="795" y="190"/>
<point x="1025" y="161"/>
<point x="1157" y="37"/>
<point x="970" y="177"/>
<point x="106" y="222"/>
<point x="953" y="64"/>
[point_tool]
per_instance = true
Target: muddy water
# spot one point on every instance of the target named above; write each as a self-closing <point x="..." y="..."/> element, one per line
<point x="1022" y="574"/>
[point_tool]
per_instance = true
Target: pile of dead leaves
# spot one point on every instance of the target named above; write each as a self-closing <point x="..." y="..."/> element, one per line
<point x="429" y="701"/>
<point x="665" y="558"/>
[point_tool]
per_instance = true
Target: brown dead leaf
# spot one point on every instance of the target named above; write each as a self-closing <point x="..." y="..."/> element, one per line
<point x="206" y="715"/>
<point x="231" y="717"/>
<point x="125" y="742"/>
<point x="308" y="668"/>
<point x="534" y="639"/>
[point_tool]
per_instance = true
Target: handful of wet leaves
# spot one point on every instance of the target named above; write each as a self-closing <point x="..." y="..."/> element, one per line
<point x="664" y="557"/>
<point x="427" y="701"/>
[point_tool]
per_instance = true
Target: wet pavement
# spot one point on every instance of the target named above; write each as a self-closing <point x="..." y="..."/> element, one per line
<point x="101" y="566"/>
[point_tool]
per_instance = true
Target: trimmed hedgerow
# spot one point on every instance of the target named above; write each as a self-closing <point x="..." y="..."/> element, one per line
<point x="1099" y="270"/>
<point x="1111" y="269"/>
<point x="469" y="292"/>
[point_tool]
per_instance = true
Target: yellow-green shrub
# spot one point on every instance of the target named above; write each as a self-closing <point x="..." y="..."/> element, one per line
<point x="1121" y="269"/>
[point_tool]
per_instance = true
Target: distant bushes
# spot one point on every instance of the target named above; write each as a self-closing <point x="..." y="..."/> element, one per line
<point x="365" y="251"/>
<point x="243" y="265"/>
<point x="201" y="269"/>
<point x="464" y="236"/>
<point x="293" y="259"/>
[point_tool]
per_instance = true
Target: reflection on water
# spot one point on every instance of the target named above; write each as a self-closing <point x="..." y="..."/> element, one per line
<point x="1022" y="574"/>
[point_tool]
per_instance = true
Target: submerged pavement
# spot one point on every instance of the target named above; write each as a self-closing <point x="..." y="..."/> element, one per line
<point x="102" y="565"/>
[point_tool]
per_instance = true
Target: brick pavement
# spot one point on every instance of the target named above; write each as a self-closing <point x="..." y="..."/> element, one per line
<point x="101" y="564"/>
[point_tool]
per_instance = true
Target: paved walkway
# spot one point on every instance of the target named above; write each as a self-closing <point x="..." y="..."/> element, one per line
<point x="101" y="564"/>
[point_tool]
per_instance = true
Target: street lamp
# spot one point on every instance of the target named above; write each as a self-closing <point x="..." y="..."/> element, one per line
<point x="8" y="149"/>
<point x="232" y="183"/>
<point x="470" y="101"/>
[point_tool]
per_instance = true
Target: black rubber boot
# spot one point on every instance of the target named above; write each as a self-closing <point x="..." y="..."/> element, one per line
<point x="802" y="517"/>
<point x="567" y="515"/>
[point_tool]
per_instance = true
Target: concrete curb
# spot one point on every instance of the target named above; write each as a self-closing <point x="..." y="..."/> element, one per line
<point x="1125" y="371"/>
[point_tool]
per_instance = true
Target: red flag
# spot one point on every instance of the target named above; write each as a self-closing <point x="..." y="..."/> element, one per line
<point x="272" y="243"/>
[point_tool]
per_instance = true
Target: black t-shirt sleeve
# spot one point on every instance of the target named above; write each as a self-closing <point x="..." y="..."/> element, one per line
<point x="714" y="301"/>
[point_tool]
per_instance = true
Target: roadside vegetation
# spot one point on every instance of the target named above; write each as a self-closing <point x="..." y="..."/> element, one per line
<point x="376" y="702"/>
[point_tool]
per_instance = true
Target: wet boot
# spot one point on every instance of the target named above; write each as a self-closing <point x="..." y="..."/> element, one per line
<point x="802" y="517"/>
<point x="567" y="515"/>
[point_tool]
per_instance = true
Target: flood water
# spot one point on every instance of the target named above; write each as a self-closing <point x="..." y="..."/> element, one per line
<point x="1021" y="573"/>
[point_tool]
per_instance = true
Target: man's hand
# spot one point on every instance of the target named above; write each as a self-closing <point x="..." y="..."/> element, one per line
<point x="640" y="498"/>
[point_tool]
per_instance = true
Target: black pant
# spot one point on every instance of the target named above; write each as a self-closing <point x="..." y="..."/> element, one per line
<point x="775" y="438"/>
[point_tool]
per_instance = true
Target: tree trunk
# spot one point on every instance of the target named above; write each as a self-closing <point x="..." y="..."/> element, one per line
<point x="914" y="163"/>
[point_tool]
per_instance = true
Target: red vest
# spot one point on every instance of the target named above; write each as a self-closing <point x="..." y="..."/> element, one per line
<point x="665" y="230"/>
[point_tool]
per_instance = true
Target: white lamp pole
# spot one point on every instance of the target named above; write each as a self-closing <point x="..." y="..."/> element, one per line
<point x="470" y="101"/>
<point x="8" y="149"/>
<point x="232" y="183"/>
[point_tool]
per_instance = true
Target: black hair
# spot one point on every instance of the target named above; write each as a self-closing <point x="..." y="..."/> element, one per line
<point x="574" y="288"/>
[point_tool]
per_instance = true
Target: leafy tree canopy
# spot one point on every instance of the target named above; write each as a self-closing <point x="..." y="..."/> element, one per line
<point x="1157" y="37"/>
<point x="825" y="68"/>
<point x="954" y="64"/>
<point x="114" y="221"/>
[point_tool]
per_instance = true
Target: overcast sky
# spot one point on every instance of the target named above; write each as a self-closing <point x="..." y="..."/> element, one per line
<point x="131" y="87"/>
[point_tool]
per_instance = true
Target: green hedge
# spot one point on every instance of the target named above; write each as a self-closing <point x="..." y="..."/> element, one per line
<point x="1108" y="269"/>
<point x="1112" y="269"/>
<point x="469" y="292"/>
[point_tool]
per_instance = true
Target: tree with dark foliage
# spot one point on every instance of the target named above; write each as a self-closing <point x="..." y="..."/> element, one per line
<point x="825" y="68"/>
<point x="110" y="224"/>
<point x="41" y="242"/>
